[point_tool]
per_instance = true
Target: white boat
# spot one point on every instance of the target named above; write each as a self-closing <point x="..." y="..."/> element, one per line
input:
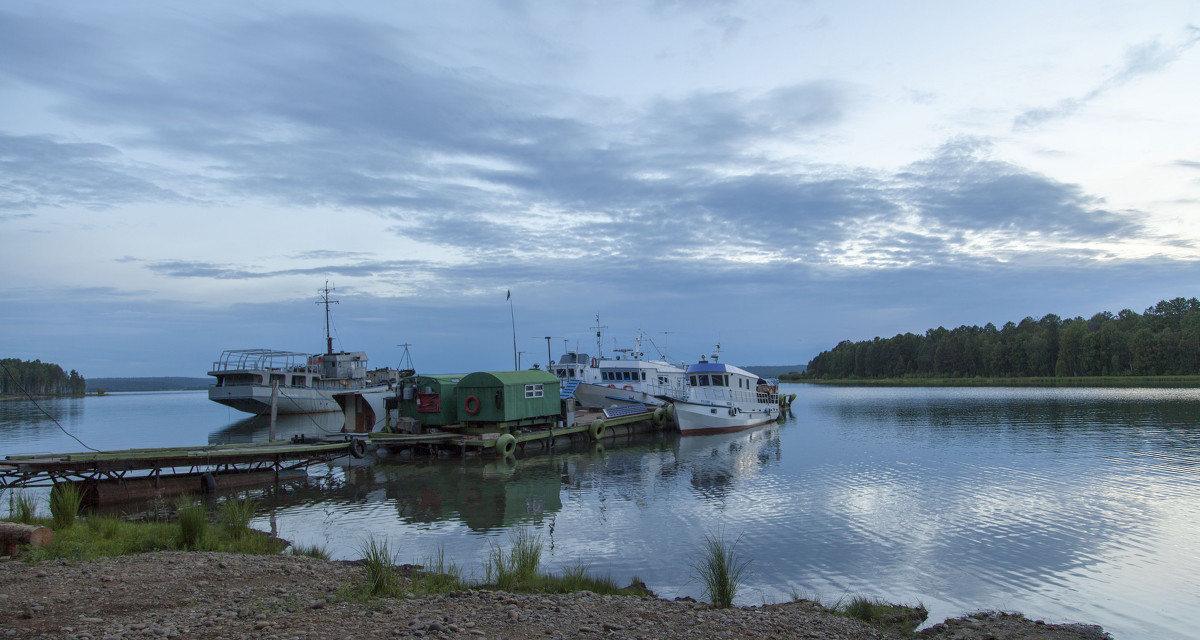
<point x="248" y="378"/>
<point x="625" y="379"/>
<point x="721" y="397"/>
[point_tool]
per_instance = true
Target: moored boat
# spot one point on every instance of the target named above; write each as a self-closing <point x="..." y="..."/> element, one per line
<point x="721" y="397"/>
<point x="251" y="379"/>
<point x="626" y="379"/>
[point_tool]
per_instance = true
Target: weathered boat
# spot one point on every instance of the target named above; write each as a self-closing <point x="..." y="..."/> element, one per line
<point x="251" y="380"/>
<point x="721" y="397"/>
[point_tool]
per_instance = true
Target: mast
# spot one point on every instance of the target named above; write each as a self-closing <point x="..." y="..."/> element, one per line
<point x="324" y="293"/>
<point x="599" y="346"/>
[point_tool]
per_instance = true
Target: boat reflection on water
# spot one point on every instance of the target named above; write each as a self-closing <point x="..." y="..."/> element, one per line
<point x="718" y="462"/>
<point x="258" y="428"/>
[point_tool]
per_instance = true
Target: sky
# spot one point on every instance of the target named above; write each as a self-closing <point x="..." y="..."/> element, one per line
<point x="180" y="178"/>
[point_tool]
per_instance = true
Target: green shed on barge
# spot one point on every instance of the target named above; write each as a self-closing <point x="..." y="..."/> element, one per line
<point x="430" y="399"/>
<point x="508" y="398"/>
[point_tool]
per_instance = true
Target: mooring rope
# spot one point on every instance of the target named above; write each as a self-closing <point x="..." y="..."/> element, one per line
<point x="52" y="419"/>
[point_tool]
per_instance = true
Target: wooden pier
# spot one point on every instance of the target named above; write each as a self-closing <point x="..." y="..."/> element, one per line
<point x="134" y="474"/>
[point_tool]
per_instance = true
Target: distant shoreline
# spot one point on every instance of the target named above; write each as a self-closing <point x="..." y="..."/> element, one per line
<point x="1151" y="382"/>
<point x="163" y="383"/>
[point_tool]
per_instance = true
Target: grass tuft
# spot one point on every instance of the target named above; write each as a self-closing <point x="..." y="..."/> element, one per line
<point x="381" y="577"/>
<point x="880" y="613"/>
<point x="235" y="515"/>
<point x="193" y="523"/>
<point x="65" y="500"/>
<point x="720" y="569"/>
<point x="22" y="507"/>
<point x="312" y="551"/>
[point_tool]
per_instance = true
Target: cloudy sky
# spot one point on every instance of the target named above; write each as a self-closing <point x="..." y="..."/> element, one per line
<point x="181" y="178"/>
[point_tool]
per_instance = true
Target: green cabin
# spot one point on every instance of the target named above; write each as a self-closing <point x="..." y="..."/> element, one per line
<point x="429" y="399"/>
<point x="508" y="398"/>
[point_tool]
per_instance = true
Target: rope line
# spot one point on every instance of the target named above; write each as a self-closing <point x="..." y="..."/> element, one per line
<point x="52" y="419"/>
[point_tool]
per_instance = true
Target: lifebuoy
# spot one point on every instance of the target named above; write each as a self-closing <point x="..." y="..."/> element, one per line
<point x="471" y="404"/>
<point x="358" y="447"/>
<point x="595" y="363"/>
<point x="612" y="386"/>
<point x="628" y="387"/>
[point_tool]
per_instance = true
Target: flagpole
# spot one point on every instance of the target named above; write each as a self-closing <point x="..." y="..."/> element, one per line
<point x="516" y="362"/>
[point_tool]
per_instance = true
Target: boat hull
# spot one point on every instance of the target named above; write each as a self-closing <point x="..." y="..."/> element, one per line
<point x="704" y="418"/>
<point x="256" y="399"/>
<point x="602" y="396"/>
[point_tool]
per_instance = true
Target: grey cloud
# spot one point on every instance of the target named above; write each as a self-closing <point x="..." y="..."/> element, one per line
<point x="1141" y="59"/>
<point x="959" y="189"/>
<point x="39" y="171"/>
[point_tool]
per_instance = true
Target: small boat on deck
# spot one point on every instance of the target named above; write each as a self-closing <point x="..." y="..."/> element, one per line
<point x="721" y="398"/>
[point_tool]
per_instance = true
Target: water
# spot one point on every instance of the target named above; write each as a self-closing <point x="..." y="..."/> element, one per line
<point x="1065" y="504"/>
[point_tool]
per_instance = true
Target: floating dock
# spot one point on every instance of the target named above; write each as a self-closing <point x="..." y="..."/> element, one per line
<point x="136" y="474"/>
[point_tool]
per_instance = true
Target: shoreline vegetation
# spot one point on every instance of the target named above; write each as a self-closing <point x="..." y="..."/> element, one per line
<point x="1159" y="347"/>
<point x="1138" y="382"/>
<point x="200" y="528"/>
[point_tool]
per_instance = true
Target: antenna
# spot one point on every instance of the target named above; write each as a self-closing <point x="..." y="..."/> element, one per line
<point x="599" y="346"/>
<point x="324" y="293"/>
<point x="406" y="357"/>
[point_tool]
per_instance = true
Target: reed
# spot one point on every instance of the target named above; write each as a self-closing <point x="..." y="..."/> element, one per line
<point x="510" y="571"/>
<point x="107" y="527"/>
<point x="235" y="515"/>
<point x="381" y="578"/>
<point x="311" y="551"/>
<point x="720" y="570"/>
<point x="438" y="575"/>
<point x="65" y="500"/>
<point x="193" y="523"/>
<point x="881" y="614"/>
<point x="22" y="507"/>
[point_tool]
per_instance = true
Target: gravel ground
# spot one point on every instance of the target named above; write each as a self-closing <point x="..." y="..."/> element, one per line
<point x="217" y="595"/>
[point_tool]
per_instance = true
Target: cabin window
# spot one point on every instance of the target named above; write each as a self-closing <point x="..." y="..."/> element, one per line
<point x="704" y="379"/>
<point x="693" y="380"/>
<point x="298" y="381"/>
<point x="533" y="391"/>
<point x="643" y="375"/>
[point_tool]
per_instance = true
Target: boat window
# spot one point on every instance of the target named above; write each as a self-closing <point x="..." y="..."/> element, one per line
<point x="298" y="381"/>
<point x="643" y="375"/>
<point x="693" y="380"/>
<point x="534" y="391"/>
<point x="704" y="379"/>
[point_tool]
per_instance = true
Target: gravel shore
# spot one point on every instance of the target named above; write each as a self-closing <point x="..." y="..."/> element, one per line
<point x="218" y="595"/>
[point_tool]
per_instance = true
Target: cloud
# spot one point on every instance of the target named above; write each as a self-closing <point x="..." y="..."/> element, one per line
<point x="40" y="172"/>
<point x="1140" y="60"/>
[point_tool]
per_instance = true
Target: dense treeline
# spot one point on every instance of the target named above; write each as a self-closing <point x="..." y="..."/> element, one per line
<point x="1165" y="340"/>
<point x="38" y="378"/>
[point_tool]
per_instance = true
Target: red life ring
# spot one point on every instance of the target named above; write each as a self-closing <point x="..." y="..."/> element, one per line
<point x="612" y="386"/>
<point x="595" y="363"/>
<point x="471" y="404"/>
<point x="627" y="388"/>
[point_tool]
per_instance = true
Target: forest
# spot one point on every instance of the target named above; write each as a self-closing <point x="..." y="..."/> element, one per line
<point x="1162" y="341"/>
<point x="20" y="377"/>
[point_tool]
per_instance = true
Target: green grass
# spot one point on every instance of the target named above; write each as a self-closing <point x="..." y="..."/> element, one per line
<point x="879" y="613"/>
<point x="234" y="515"/>
<point x="720" y="570"/>
<point x="65" y="500"/>
<point x="193" y="523"/>
<point x="22" y="507"/>
<point x="312" y="551"/>
<point x="381" y="577"/>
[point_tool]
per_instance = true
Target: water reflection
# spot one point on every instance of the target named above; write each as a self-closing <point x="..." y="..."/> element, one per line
<point x="1068" y="504"/>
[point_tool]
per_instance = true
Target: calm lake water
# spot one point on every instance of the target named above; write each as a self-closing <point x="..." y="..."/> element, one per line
<point x="1065" y="504"/>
